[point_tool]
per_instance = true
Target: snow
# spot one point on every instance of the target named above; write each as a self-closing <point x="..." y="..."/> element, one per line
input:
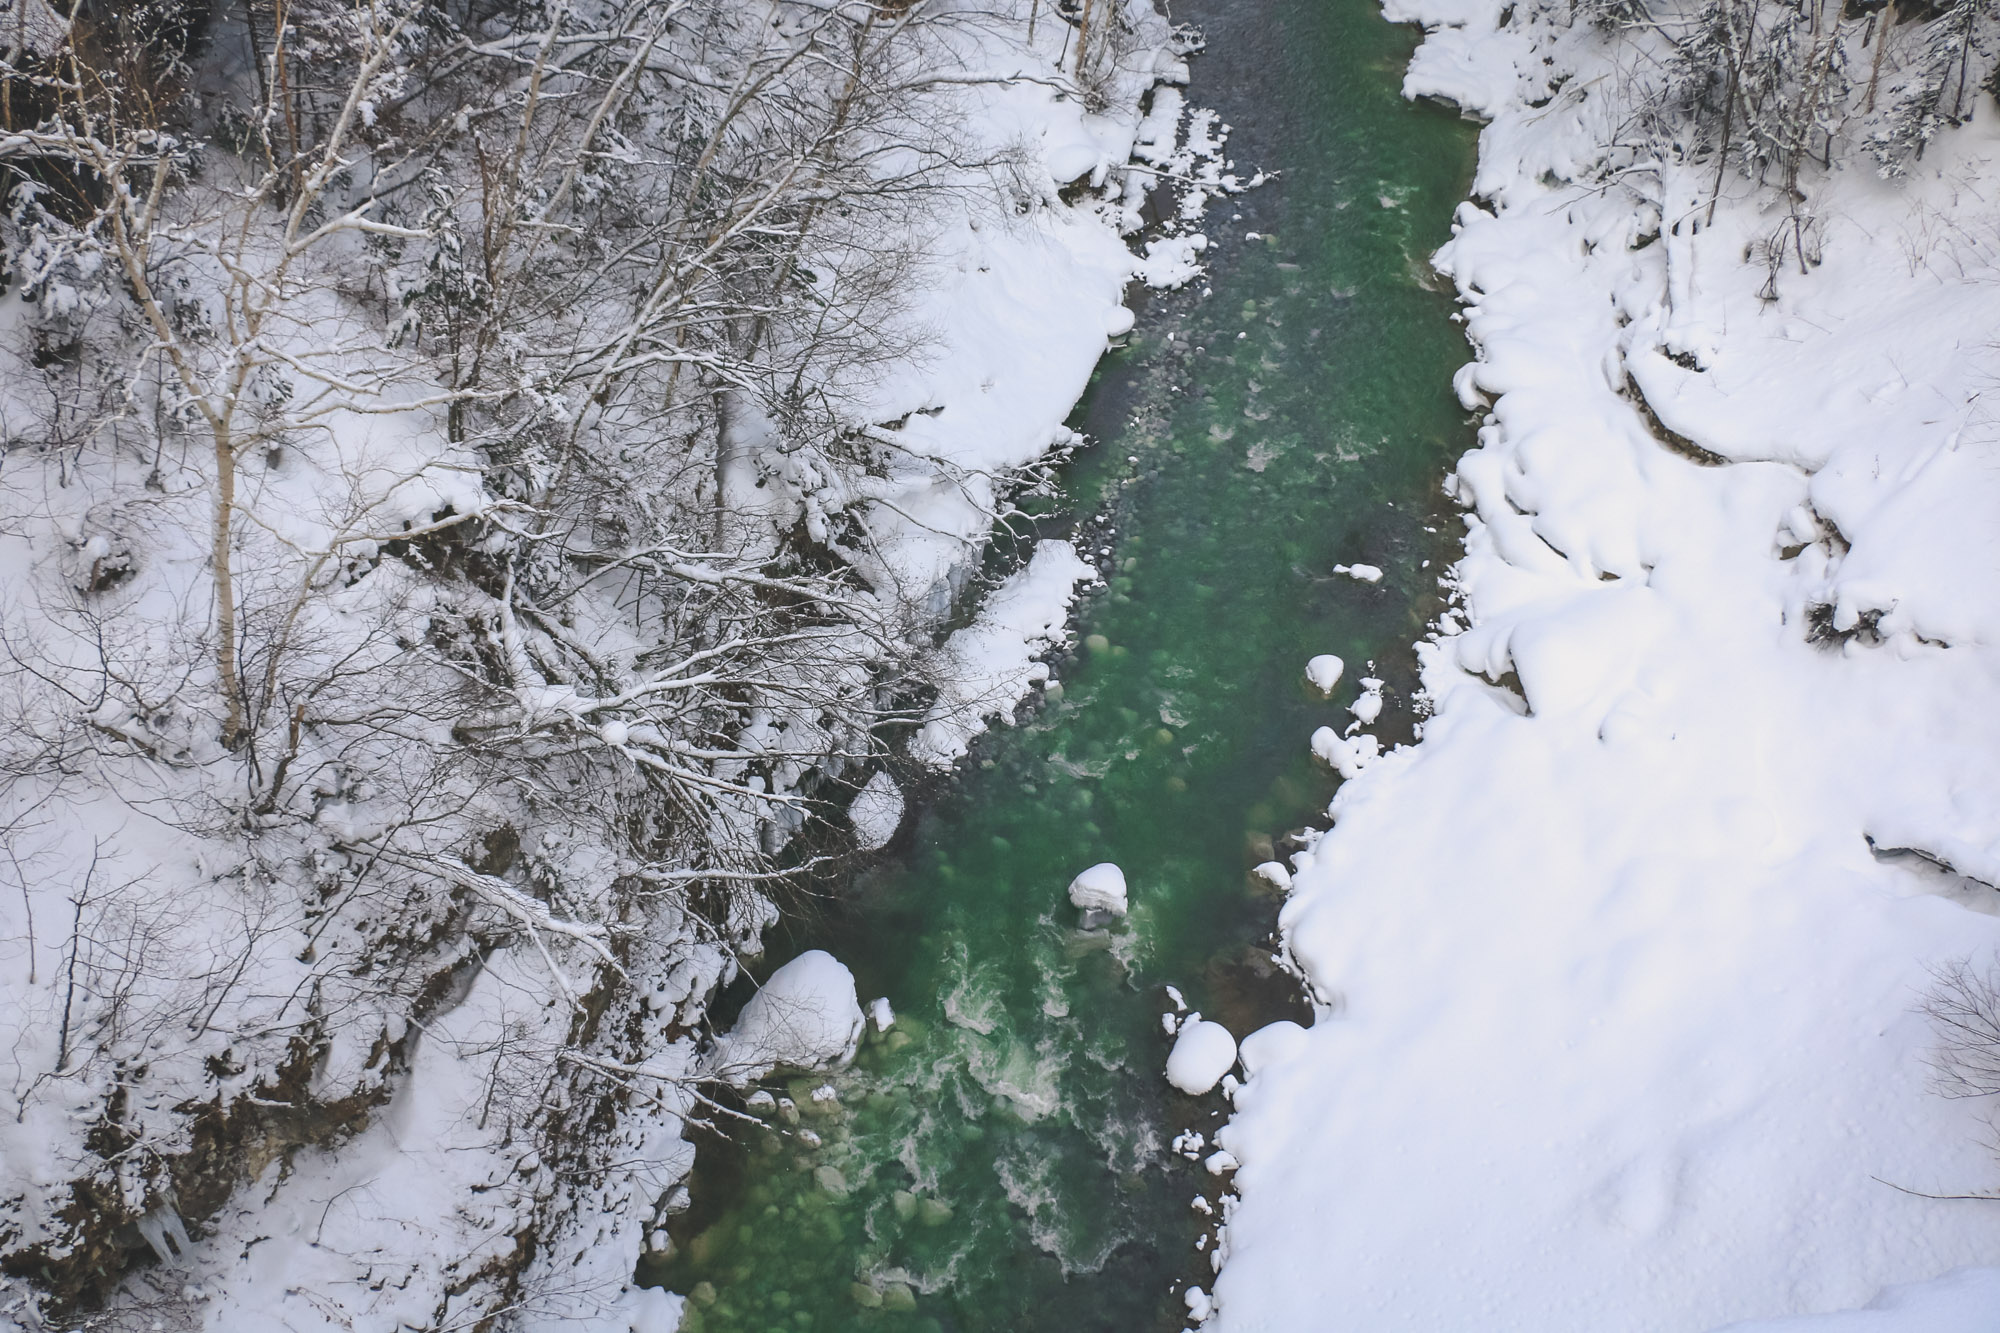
<point x="1172" y="260"/>
<point x="1101" y="888"/>
<point x="1273" y="873"/>
<point x="881" y="1015"/>
<point x="1202" y="1054"/>
<point x="991" y="664"/>
<point x="1360" y="573"/>
<point x="1345" y="756"/>
<point x="452" y="989"/>
<point x="1282" y="1040"/>
<point x="1324" y="672"/>
<point x="1618" y="973"/>
<point x="1963" y="1301"/>
<point x="805" y="1016"/>
<point x="1368" y="705"/>
<point x="876" y="812"/>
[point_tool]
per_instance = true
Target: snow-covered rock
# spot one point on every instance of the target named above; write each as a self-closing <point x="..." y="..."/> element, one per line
<point x="1272" y="1042"/>
<point x="1202" y="1054"/>
<point x="1101" y="888"/>
<point x="1368" y="706"/>
<point x="1273" y="873"/>
<point x="1345" y="756"/>
<point x="805" y="1016"/>
<point x="1324" y="672"/>
<point x="876" y="812"/>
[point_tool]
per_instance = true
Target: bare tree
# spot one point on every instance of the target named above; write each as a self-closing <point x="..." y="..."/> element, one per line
<point x="451" y="424"/>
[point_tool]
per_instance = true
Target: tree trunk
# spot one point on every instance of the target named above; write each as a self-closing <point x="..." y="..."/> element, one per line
<point x="1728" y="124"/>
<point x="1881" y="44"/>
<point x="225" y="591"/>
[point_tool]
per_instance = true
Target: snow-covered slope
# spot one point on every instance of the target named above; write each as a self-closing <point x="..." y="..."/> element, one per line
<point x="378" y="1001"/>
<point x="1620" y="972"/>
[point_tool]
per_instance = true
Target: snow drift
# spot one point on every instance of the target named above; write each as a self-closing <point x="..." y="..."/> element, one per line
<point x="1618" y="974"/>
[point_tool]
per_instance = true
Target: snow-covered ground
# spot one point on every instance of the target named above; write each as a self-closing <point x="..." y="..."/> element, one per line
<point x="1620" y="973"/>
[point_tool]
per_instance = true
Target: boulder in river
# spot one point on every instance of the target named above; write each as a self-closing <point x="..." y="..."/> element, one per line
<point x="806" y="1015"/>
<point x="1202" y="1054"/>
<point x="1324" y="672"/>
<point x="1099" y="889"/>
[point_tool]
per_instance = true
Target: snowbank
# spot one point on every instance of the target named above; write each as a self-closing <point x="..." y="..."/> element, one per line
<point x="1617" y="972"/>
<point x="990" y="664"/>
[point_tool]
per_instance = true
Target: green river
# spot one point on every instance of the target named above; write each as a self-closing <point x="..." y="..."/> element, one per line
<point x="1003" y="1159"/>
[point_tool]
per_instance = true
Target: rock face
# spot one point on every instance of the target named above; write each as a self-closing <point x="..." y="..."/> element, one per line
<point x="1202" y="1054"/>
<point x="806" y="1016"/>
<point x="1099" y="889"/>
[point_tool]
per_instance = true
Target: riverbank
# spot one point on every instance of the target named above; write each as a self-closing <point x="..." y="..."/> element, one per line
<point x="1619" y="974"/>
<point x="381" y="1004"/>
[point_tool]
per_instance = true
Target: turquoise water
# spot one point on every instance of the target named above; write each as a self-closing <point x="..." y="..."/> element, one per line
<point x="1002" y="1160"/>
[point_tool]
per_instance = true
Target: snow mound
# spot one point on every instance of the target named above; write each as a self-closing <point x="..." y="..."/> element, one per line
<point x="1324" y="672"/>
<point x="1270" y="1044"/>
<point x="989" y="666"/>
<point x="1345" y="757"/>
<point x="876" y="812"/>
<point x="1099" y="889"/>
<point x="1172" y="260"/>
<point x="806" y="1016"/>
<point x="1273" y="873"/>
<point x="1202" y="1054"/>
<point x="1368" y="706"/>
